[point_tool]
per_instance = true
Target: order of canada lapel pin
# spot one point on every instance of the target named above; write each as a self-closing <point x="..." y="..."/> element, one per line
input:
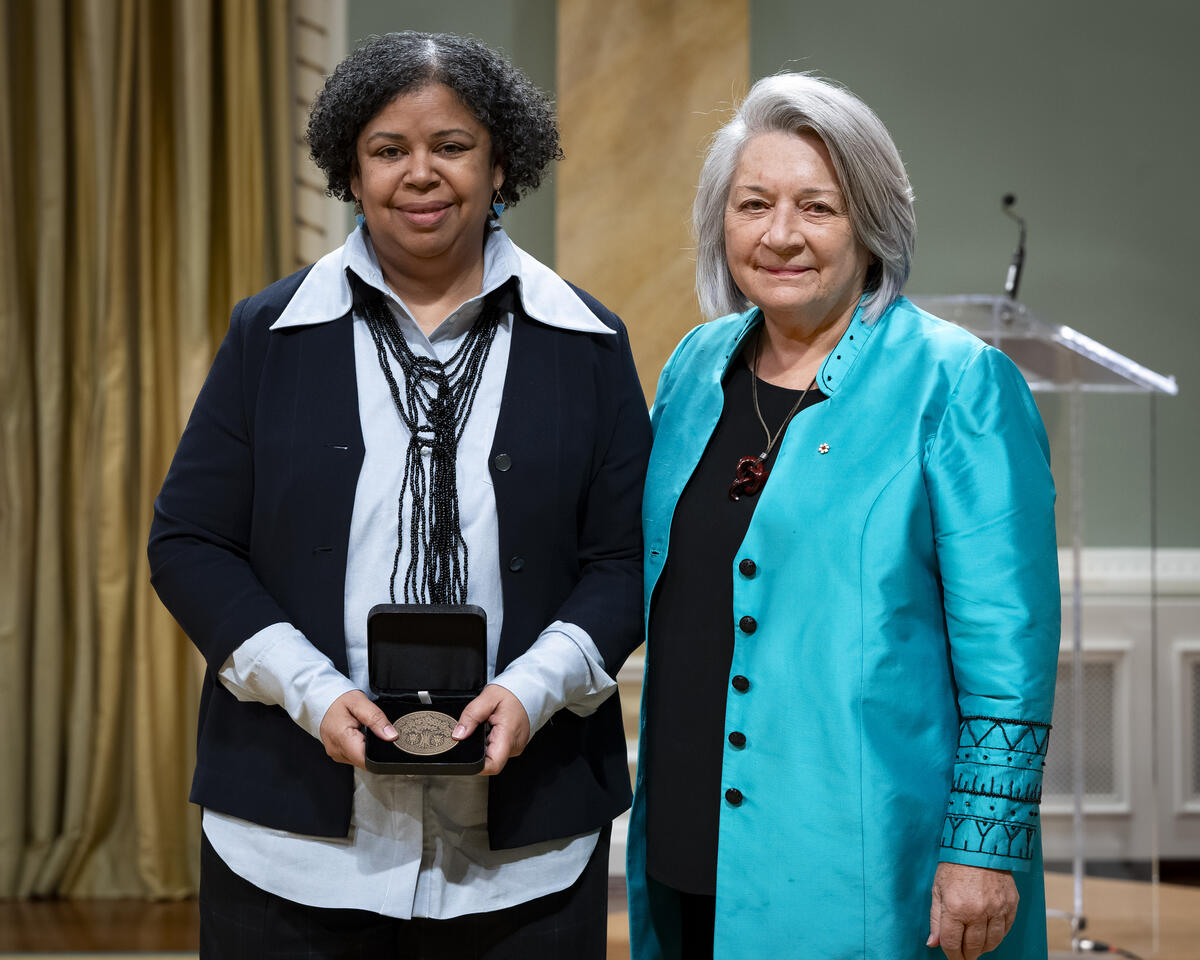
<point x="823" y="448"/>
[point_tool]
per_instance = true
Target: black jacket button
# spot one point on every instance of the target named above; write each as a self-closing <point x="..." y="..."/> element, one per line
<point x="516" y="564"/>
<point x="737" y="738"/>
<point x="748" y="567"/>
<point x="502" y="462"/>
<point x="748" y="624"/>
<point x="740" y="684"/>
<point x="734" y="796"/>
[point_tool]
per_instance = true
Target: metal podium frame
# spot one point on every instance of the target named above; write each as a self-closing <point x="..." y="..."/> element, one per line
<point x="1058" y="359"/>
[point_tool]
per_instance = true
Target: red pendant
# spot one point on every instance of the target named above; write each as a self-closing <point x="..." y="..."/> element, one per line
<point x="749" y="477"/>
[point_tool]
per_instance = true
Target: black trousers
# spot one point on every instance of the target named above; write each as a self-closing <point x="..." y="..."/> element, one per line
<point x="238" y="921"/>
<point x="697" y="921"/>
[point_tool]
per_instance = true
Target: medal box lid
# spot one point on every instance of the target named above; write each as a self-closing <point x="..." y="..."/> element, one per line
<point x="439" y="648"/>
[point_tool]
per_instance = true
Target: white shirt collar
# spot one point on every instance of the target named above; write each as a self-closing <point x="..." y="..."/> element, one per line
<point x="325" y="294"/>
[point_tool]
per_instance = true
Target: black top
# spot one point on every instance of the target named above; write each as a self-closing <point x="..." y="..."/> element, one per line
<point x="691" y="638"/>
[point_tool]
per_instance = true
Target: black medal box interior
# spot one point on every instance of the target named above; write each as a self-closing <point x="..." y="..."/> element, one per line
<point x="432" y="649"/>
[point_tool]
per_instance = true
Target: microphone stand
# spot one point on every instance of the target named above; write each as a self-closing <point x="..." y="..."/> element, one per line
<point x="1078" y="919"/>
<point x="1013" y="280"/>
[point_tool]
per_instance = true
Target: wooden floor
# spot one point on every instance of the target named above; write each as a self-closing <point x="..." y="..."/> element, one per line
<point x="1119" y="912"/>
<point x="63" y="926"/>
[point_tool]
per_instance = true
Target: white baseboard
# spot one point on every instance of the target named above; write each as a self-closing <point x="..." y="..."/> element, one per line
<point x="1126" y="570"/>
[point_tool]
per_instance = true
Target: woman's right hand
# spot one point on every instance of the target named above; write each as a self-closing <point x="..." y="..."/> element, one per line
<point x="340" y="733"/>
<point x="972" y="910"/>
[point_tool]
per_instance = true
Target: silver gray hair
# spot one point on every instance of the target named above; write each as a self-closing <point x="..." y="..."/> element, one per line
<point x="869" y="171"/>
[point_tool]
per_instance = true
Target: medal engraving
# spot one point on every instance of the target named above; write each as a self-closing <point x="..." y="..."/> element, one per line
<point x="425" y="733"/>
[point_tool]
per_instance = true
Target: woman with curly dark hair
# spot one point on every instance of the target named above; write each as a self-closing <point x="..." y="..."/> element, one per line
<point x="415" y="469"/>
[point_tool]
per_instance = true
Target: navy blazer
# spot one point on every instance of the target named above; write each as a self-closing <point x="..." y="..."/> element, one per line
<point x="252" y="528"/>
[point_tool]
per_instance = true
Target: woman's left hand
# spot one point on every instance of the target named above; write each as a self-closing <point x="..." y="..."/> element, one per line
<point x="972" y="910"/>
<point x="510" y="726"/>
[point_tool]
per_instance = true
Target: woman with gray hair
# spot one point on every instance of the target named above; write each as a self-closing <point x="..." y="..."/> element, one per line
<point x="850" y="580"/>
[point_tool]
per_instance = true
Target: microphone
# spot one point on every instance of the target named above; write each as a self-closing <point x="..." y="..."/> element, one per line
<point x="1013" y="280"/>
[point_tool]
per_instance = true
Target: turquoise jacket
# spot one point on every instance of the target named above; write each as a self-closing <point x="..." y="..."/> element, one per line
<point x="901" y="676"/>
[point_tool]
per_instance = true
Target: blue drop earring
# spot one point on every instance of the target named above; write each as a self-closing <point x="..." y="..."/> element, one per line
<point x="498" y="203"/>
<point x="359" y="218"/>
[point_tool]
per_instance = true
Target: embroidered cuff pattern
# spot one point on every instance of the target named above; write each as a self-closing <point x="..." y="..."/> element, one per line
<point x="993" y="806"/>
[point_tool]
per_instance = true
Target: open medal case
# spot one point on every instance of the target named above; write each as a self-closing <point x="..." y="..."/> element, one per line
<point x="425" y="663"/>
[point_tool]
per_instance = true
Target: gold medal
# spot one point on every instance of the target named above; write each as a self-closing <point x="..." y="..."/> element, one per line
<point x="425" y="733"/>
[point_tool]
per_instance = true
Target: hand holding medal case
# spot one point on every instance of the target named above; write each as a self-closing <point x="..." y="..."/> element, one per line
<point x="426" y="662"/>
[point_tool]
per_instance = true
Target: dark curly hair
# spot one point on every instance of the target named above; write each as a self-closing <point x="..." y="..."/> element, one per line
<point x="517" y="115"/>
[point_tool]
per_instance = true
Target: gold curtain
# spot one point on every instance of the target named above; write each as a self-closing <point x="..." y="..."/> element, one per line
<point x="141" y="196"/>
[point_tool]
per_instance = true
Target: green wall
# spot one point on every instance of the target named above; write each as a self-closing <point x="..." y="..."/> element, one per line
<point x="1087" y="112"/>
<point x="524" y="30"/>
<point x="1084" y="110"/>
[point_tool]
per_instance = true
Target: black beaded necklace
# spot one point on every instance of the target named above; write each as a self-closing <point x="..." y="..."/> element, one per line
<point x="435" y="405"/>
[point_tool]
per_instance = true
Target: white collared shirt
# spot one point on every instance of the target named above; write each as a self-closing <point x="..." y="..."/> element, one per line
<point x="418" y="846"/>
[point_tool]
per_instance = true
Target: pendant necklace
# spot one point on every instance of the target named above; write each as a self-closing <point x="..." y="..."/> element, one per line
<point x="751" y="472"/>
